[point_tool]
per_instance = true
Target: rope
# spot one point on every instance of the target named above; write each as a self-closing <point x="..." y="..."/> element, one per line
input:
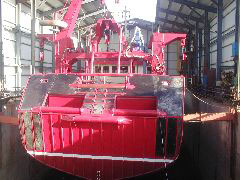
<point x="205" y="101"/>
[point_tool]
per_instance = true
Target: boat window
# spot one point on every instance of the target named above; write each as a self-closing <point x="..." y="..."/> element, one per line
<point x="105" y="69"/>
<point x="124" y="69"/>
<point x="114" y="69"/>
<point x="98" y="69"/>
<point x="149" y="70"/>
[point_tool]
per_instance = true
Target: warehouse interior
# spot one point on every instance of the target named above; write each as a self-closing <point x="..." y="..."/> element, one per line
<point x="211" y="143"/>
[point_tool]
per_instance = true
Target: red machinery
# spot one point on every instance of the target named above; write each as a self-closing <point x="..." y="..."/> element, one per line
<point x="102" y="125"/>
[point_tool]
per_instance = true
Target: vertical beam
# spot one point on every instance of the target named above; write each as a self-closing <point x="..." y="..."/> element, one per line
<point x="1" y="53"/>
<point x="200" y="56"/>
<point x="206" y="44"/>
<point x="53" y="57"/>
<point x="18" y="46"/>
<point x="41" y="48"/>
<point x="219" y="39"/>
<point x="190" y="58"/>
<point x="238" y="62"/>
<point x="1" y="48"/>
<point x="196" y="50"/>
<point x="33" y="32"/>
<point x="167" y="59"/>
<point x="236" y="34"/>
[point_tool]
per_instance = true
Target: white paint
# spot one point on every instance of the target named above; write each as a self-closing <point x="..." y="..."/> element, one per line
<point x="100" y="157"/>
<point x="228" y="26"/>
<point x="10" y="46"/>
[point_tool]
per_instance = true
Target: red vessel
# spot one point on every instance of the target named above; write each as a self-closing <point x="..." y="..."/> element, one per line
<point x="102" y="125"/>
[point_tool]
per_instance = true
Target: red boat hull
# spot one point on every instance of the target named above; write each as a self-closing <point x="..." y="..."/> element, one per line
<point x="131" y="138"/>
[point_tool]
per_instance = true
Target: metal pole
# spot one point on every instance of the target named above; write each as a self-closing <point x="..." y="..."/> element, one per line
<point x="53" y="57"/>
<point x="190" y="63"/>
<point x="200" y="57"/>
<point x="120" y="52"/>
<point x="1" y="54"/>
<point x="219" y="39"/>
<point x="206" y="44"/>
<point x="236" y="34"/>
<point x="238" y="62"/>
<point x="92" y="59"/>
<point x="167" y="58"/>
<point x="33" y="38"/>
<point x="196" y="49"/>
<point x="125" y="21"/>
<point x="18" y="45"/>
<point x="1" y="49"/>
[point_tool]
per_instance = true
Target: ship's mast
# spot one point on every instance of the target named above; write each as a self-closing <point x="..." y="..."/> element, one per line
<point x="125" y="13"/>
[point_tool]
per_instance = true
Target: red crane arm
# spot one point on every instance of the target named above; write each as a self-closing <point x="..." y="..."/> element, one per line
<point x="70" y="18"/>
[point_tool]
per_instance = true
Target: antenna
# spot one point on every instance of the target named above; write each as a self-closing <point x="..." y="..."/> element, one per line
<point x="125" y="13"/>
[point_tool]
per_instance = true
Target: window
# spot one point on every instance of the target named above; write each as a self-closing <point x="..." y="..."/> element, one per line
<point x="98" y="69"/>
<point x="114" y="69"/>
<point x="149" y="70"/>
<point x="134" y="69"/>
<point x="105" y="69"/>
<point x="124" y="69"/>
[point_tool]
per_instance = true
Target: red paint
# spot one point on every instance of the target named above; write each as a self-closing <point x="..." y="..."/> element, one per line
<point x="117" y="142"/>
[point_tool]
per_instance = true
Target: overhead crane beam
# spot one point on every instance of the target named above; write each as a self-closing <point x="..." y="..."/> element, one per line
<point x="200" y="16"/>
<point x="181" y="15"/>
<point x="175" y="23"/>
<point x="196" y="5"/>
<point x="215" y="2"/>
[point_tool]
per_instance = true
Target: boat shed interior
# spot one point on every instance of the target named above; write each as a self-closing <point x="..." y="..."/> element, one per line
<point x="210" y="147"/>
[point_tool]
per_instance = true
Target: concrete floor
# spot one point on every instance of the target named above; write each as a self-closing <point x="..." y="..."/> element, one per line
<point x="209" y="152"/>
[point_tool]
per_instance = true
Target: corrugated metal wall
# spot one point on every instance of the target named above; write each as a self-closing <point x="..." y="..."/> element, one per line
<point x="172" y="62"/>
<point x="17" y="46"/>
<point x="228" y="37"/>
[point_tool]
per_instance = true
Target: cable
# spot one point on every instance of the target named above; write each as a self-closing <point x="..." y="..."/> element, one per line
<point x="205" y="101"/>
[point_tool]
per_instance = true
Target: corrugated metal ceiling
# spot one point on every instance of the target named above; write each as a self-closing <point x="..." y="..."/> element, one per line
<point x="91" y="10"/>
<point x="177" y="16"/>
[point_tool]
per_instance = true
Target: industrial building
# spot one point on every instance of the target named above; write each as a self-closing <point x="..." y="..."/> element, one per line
<point x="208" y="60"/>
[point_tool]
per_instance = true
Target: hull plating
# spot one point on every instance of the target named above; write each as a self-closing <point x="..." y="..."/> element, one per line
<point x="102" y="126"/>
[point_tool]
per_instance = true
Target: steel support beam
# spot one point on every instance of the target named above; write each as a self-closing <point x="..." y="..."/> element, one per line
<point x="194" y="11"/>
<point x="33" y="35"/>
<point x="219" y="39"/>
<point x="21" y="1"/>
<point x="215" y="2"/>
<point x="1" y="49"/>
<point x="196" y="5"/>
<point x="196" y="50"/>
<point x="181" y="15"/>
<point x="236" y="34"/>
<point x="174" y="30"/>
<point x="180" y="25"/>
<point x="190" y="64"/>
<point x="200" y="53"/>
<point x="206" y="44"/>
<point x="238" y="62"/>
<point x="18" y="45"/>
<point x="167" y="59"/>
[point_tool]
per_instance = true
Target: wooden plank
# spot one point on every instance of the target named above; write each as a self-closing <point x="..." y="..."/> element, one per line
<point x="206" y="117"/>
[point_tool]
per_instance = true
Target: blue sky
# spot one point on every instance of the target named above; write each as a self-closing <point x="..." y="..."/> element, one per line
<point x="142" y="9"/>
